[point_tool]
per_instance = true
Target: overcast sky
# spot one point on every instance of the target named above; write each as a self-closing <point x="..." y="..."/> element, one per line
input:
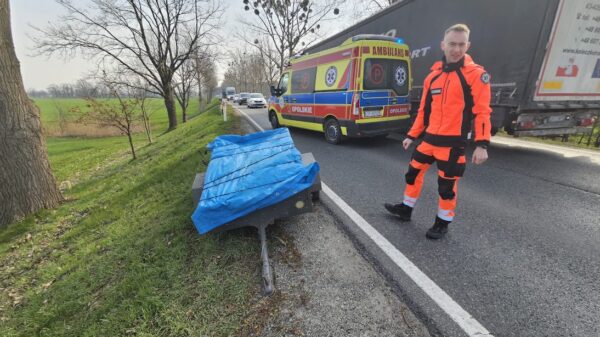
<point x="41" y="71"/>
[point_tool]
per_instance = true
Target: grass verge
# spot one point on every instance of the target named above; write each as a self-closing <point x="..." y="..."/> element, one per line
<point x="573" y="140"/>
<point x="121" y="257"/>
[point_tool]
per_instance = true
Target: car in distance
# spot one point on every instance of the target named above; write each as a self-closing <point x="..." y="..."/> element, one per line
<point x="256" y="100"/>
<point x="243" y="98"/>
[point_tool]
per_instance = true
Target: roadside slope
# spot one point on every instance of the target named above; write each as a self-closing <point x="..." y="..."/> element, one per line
<point x="121" y="256"/>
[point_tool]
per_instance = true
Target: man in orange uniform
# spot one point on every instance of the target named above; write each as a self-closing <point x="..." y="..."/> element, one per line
<point x="456" y="94"/>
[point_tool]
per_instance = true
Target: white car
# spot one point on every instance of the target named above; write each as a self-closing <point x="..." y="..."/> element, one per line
<point x="257" y="100"/>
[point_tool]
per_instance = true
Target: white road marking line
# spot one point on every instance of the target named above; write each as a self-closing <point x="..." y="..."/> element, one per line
<point x="250" y="120"/>
<point x="459" y="315"/>
<point x="469" y="324"/>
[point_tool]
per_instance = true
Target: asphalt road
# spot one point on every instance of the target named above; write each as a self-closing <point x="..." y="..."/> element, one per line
<point x="523" y="254"/>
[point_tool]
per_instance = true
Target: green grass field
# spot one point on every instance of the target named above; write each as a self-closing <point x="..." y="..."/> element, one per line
<point x="121" y="257"/>
<point x="51" y="110"/>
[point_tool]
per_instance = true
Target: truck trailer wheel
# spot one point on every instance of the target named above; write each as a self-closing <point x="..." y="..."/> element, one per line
<point x="333" y="132"/>
<point x="273" y="119"/>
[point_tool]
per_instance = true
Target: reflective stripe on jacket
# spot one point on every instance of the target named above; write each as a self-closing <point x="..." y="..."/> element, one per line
<point x="454" y="94"/>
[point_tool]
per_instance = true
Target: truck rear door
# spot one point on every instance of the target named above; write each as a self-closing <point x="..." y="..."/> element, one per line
<point x="571" y="67"/>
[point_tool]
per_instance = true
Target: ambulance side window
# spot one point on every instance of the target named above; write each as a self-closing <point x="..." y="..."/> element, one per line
<point x="283" y="83"/>
<point x="303" y="81"/>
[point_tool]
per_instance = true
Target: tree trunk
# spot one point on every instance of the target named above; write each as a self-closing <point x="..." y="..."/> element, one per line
<point x="146" y="121"/>
<point x="170" y="105"/>
<point x="25" y="174"/>
<point x="131" y="144"/>
<point x="147" y="128"/>
<point x="200" y="96"/>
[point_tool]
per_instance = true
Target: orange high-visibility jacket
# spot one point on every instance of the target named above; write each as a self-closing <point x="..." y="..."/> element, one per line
<point x="454" y="94"/>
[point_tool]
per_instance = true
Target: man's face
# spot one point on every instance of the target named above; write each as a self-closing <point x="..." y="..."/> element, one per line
<point x="455" y="45"/>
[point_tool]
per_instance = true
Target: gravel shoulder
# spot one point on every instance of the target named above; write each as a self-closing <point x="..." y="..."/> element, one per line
<point x="324" y="286"/>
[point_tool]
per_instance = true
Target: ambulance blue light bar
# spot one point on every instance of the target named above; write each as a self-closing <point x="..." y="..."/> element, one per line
<point x="376" y="37"/>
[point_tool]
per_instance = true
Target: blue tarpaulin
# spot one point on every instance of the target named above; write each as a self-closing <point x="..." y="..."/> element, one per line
<point x="250" y="172"/>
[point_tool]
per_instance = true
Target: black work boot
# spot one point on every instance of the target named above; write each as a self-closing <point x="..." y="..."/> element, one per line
<point x="401" y="210"/>
<point x="439" y="229"/>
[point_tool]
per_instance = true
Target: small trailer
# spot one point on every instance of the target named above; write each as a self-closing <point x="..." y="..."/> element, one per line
<point x="214" y="201"/>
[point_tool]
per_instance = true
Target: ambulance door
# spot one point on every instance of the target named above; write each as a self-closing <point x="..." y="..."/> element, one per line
<point x="283" y="98"/>
<point x="386" y="87"/>
<point x="302" y="98"/>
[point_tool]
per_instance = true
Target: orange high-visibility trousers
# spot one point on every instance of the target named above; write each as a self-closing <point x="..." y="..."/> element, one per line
<point x="451" y="163"/>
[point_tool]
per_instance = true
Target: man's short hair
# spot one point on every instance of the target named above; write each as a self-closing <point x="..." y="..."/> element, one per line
<point x="459" y="27"/>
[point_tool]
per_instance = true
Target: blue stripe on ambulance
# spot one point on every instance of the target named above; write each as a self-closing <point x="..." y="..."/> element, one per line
<point x="369" y="98"/>
<point x="333" y="97"/>
<point x="301" y="99"/>
<point x="380" y="98"/>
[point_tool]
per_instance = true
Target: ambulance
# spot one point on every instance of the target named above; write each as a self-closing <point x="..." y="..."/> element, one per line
<point x="358" y="89"/>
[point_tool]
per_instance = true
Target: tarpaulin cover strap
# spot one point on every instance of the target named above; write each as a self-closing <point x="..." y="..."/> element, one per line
<point x="250" y="172"/>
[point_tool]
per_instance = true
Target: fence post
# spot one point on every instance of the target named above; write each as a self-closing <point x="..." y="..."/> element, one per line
<point x="224" y="109"/>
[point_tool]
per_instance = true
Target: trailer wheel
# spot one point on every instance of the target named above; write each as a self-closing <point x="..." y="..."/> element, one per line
<point x="316" y="195"/>
<point x="273" y="119"/>
<point x="333" y="132"/>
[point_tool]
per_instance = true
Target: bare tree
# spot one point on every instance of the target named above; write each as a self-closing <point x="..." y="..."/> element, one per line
<point x="236" y="73"/>
<point x="256" y="72"/>
<point x="269" y="60"/>
<point x="209" y="78"/>
<point x="185" y="82"/>
<point x="63" y="115"/>
<point x="53" y="90"/>
<point x="250" y="71"/>
<point x="122" y="116"/>
<point x="381" y="4"/>
<point x="143" y="98"/>
<point x="32" y="92"/>
<point x="288" y="23"/>
<point x="368" y="8"/>
<point x="149" y="38"/>
<point x="62" y="90"/>
<point x="26" y="178"/>
<point x="141" y="94"/>
<point x="211" y="81"/>
<point x="83" y="88"/>
<point x="206" y="75"/>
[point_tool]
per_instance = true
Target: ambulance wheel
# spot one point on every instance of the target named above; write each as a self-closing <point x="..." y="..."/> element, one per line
<point x="273" y="119"/>
<point x="333" y="132"/>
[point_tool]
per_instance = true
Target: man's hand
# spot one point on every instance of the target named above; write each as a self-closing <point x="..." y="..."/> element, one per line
<point x="480" y="155"/>
<point x="406" y="143"/>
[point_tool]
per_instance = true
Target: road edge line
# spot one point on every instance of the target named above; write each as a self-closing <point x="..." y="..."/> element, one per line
<point x="459" y="315"/>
